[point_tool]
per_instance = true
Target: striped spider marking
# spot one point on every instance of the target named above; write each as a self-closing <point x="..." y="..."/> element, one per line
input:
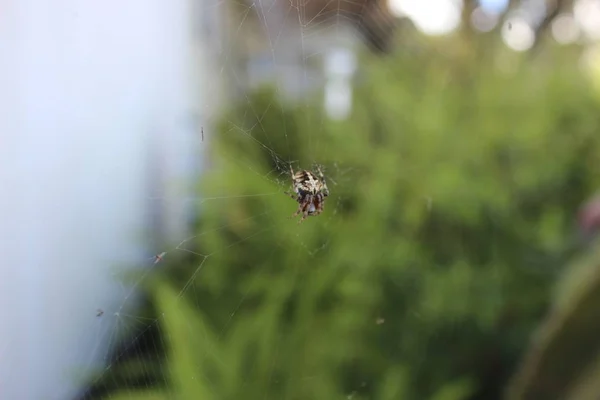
<point x="310" y="191"/>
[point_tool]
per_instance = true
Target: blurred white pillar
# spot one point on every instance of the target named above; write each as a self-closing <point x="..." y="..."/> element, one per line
<point x="93" y="102"/>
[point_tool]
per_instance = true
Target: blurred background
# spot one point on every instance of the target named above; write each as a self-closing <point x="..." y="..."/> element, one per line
<point x="148" y="249"/>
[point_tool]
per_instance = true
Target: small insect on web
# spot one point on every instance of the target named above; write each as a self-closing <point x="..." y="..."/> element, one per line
<point x="159" y="257"/>
<point x="310" y="191"/>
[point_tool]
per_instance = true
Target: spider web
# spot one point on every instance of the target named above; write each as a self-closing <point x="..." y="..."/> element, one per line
<point x="268" y="77"/>
<point x="297" y="50"/>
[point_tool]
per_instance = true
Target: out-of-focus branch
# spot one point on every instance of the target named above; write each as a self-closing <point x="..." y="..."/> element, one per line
<point x="555" y="8"/>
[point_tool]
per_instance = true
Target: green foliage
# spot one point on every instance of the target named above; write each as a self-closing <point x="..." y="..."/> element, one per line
<point x="562" y="362"/>
<point x="455" y="187"/>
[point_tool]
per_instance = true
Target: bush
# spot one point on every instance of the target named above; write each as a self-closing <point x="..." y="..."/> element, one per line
<point x="454" y="195"/>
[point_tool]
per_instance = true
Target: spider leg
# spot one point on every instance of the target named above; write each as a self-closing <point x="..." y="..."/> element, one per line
<point x="292" y="195"/>
<point x="317" y="204"/>
<point x="319" y="172"/>
<point x="304" y="216"/>
<point x="298" y="211"/>
<point x="322" y="177"/>
<point x="304" y="207"/>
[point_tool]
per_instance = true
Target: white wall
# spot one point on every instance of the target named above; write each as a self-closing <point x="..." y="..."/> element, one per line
<point x="93" y="103"/>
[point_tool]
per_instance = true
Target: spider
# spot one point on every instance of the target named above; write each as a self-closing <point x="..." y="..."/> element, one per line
<point x="309" y="191"/>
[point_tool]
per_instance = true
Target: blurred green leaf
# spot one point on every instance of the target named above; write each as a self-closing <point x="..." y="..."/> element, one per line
<point x="562" y="362"/>
<point x="183" y="332"/>
<point x="457" y="390"/>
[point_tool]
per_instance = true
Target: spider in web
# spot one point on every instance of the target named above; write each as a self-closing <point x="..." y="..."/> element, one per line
<point x="310" y="190"/>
